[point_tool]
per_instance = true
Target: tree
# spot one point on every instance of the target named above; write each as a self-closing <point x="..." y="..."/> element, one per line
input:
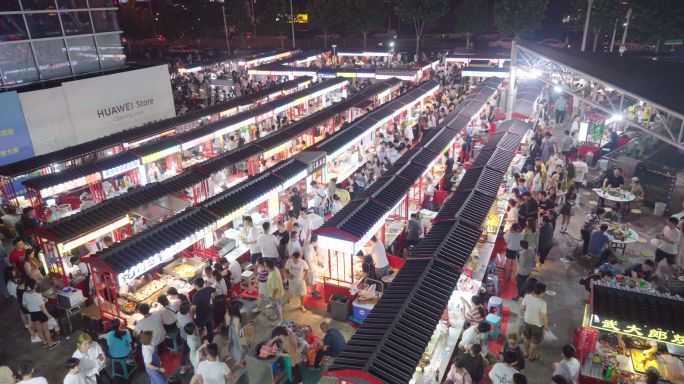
<point x="655" y="20"/>
<point x="135" y="22"/>
<point x="421" y="12"/>
<point x="324" y="14"/>
<point x="364" y="16"/>
<point x="519" y="16"/>
<point x="276" y="19"/>
<point x="171" y="19"/>
<point x="471" y="17"/>
<point x="603" y="16"/>
<point x="238" y="17"/>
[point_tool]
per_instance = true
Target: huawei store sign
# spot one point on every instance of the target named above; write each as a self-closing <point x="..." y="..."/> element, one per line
<point x="125" y="111"/>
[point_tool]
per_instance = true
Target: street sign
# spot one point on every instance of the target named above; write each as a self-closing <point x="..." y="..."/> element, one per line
<point x="673" y="42"/>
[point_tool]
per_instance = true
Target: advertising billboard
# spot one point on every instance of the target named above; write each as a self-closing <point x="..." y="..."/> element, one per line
<point x="15" y="141"/>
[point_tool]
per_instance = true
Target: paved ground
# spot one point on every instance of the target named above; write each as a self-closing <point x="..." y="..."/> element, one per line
<point x="564" y="314"/>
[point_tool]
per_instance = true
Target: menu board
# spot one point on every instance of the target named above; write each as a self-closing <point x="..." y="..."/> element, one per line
<point x="586" y="339"/>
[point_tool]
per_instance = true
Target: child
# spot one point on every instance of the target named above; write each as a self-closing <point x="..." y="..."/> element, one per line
<point x="262" y="277"/>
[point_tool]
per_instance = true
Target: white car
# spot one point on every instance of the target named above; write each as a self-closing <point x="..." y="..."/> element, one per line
<point x="553" y="43"/>
<point x="636" y="46"/>
<point x="506" y="43"/>
<point x="331" y="36"/>
<point x="460" y="35"/>
<point x="180" y="48"/>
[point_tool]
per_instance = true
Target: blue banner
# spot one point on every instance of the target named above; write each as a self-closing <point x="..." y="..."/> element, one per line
<point x="15" y="141"/>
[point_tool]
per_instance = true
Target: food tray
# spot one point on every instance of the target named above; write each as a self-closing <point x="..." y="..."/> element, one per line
<point x="639" y="362"/>
<point x="148" y="290"/>
<point x="197" y="265"/>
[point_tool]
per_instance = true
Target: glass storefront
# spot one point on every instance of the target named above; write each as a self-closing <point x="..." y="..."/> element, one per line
<point x="47" y="39"/>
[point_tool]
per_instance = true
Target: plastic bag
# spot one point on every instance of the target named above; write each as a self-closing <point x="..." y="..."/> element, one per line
<point x="549" y="336"/>
<point x="655" y="242"/>
<point x="53" y="325"/>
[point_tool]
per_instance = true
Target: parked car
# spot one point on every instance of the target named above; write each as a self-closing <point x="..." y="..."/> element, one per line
<point x="636" y="46"/>
<point x="180" y="48"/>
<point x="331" y="36"/>
<point x="506" y="43"/>
<point x="460" y="35"/>
<point x="553" y="43"/>
<point x="385" y="34"/>
<point x="490" y="36"/>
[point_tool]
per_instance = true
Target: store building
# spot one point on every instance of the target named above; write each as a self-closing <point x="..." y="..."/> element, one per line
<point x="41" y="40"/>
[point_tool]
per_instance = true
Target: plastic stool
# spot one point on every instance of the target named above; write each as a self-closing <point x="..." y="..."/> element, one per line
<point x="585" y="195"/>
<point x="622" y="258"/>
<point x="491" y="268"/>
<point x="174" y="337"/>
<point x="593" y="204"/>
<point x="495" y="302"/>
<point x="577" y="239"/>
<point x="646" y="254"/>
<point x="124" y="366"/>
<point x="494" y="279"/>
<point x="637" y="213"/>
<point x="495" y="322"/>
<point x="639" y="246"/>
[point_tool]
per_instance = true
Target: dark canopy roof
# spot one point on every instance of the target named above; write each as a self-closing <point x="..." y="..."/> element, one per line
<point x="57" y="178"/>
<point x="132" y="251"/>
<point x="86" y="221"/>
<point x="660" y="82"/>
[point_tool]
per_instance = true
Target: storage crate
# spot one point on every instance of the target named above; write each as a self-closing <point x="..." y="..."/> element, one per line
<point x="361" y="310"/>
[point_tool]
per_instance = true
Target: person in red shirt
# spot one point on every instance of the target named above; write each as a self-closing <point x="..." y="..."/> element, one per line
<point x="17" y="256"/>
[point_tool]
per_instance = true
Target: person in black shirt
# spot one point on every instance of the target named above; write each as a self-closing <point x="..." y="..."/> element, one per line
<point x="295" y="202"/>
<point x="640" y="271"/>
<point x="522" y="211"/>
<point x="613" y="139"/>
<point x="345" y="124"/>
<point x="448" y="171"/>
<point x="201" y="307"/>
<point x="543" y="202"/>
<point x="531" y="206"/>
<point x="474" y="363"/>
<point x="614" y="181"/>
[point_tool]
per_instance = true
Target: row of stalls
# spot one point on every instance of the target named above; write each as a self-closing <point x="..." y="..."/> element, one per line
<point x="240" y="61"/>
<point x="412" y="74"/>
<point x="419" y="313"/>
<point x="165" y="157"/>
<point x="150" y="205"/>
<point x="12" y="175"/>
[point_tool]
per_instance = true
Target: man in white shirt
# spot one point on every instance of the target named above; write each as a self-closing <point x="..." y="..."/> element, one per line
<point x="535" y="320"/>
<point x="379" y="256"/>
<point x="581" y="170"/>
<point x="502" y="373"/>
<point x="251" y="240"/>
<point x="311" y="258"/>
<point x="429" y="192"/>
<point x="320" y="197"/>
<point x="184" y="317"/>
<point x="408" y="133"/>
<point x="211" y="370"/>
<point x="234" y="268"/>
<point x="268" y="243"/>
<point x="575" y="124"/>
<point x="569" y="367"/>
<point x="26" y="372"/>
<point x="231" y="144"/>
<point x="297" y="271"/>
<point x="151" y="321"/>
<point x="305" y="226"/>
<point x="667" y="248"/>
<point x="474" y="335"/>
